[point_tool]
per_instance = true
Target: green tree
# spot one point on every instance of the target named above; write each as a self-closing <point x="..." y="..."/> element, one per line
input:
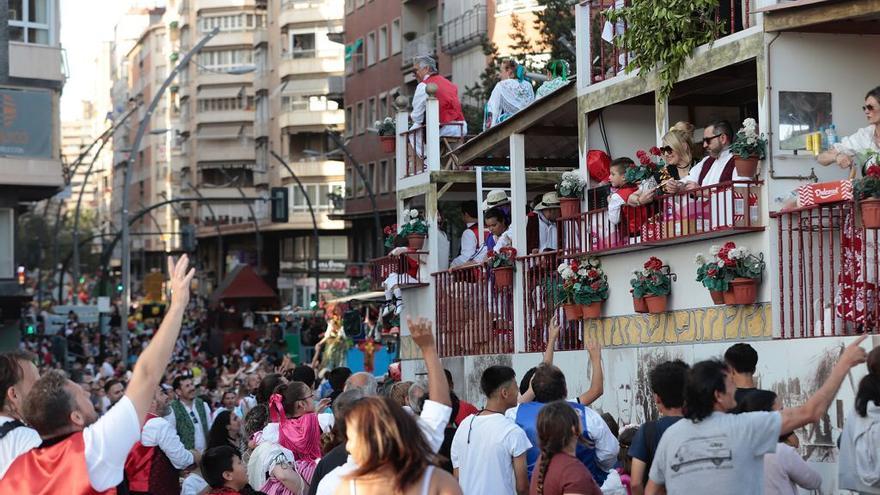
<point x="556" y="22"/>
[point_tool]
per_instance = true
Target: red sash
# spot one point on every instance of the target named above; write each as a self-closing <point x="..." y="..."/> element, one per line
<point x="149" y="470"/>
<point x="633" y="216"/>
<point x="726" y="174"/>
<point x="473" y="228"/>
<point x="57" y="468"/>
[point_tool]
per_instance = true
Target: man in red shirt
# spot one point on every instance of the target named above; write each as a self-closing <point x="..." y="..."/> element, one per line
<point x="80" y="453"/>
<point x="465" y="408"/>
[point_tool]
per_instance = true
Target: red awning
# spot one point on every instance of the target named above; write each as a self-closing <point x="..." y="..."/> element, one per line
<point x="243" y="283"/>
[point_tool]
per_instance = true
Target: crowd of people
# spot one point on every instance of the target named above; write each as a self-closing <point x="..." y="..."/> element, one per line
<point x="278" y="428"/>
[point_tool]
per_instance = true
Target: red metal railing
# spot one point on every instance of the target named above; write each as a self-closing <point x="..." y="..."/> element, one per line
<point x="703" y="212"/>
<point x="540" y="275"/>
<point x="608" y="60"/>
<point x="473" y="315"/>
<point x="827" y="273"/>
<point x="407" y="267"/>
<point x="415" y="151"/>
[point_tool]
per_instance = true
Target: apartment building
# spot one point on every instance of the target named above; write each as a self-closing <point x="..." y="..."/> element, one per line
<point x="31" y="78"/>
<point x="299" y="79"/>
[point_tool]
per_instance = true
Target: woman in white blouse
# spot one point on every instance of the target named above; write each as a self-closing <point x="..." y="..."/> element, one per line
<point x="866" y="138"/>
<point x="510" y="95"/>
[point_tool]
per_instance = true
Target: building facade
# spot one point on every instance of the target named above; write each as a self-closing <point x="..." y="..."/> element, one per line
<point x="31" y="78"/>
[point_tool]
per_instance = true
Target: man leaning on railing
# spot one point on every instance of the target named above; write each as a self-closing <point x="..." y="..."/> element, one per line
<point x="452" y="123"/>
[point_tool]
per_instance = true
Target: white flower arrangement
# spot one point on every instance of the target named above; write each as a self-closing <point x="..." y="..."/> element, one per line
<point x="748" y="142"/>
<point x="385" y="127"/>
<point x="414" y="213"/>
<point x="566" y="272"/>
<point x="713" y="251"/>
<point x="700" y="259"/>
<point x="572" y="185"/>
<point x="594" y="262"/>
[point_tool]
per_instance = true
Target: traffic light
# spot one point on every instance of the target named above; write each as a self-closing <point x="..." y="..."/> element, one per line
<point x="188" y="239"/>
<point x="31" y="330"/>
<point x="119" y="287"/>
<point x="313" y="304"/>
<point x="280" y="199"/>
<point x="22" y="275"/>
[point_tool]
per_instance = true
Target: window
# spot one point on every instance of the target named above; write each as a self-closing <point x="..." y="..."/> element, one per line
<point x="318" y="194"/>
<point x="233" y="22"/>
<point x="349" y="6"/>
<point x="30" y="21"/>
<point x="302" y="45"/>
<point x="333" y="247"/>
<point x="371" y="48"/>
<point x="359" y="55"/>
<point x="371" y="175"/>
<point x="382" y="107"/>
<point x="225" y="104"/>
<point x="215" y="60"/>
<point x="381" y="184"/>
<point x="349" y="182"/>
<point x="395" y="36"/>
<point x="383" y="42"/>
<point x="371" y="113"/>
<point x="360" y="126"/>
<point x="349" y="122"/>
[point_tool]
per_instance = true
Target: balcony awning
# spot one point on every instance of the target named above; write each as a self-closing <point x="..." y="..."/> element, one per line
<point x="225" y="92"/>
<point x="219" y="132"/>
<point x="311" y="87"/>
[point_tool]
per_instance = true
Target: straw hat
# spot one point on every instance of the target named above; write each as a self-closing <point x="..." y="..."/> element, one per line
<point x="496" y="197"/>
<point x="548" y="200"/>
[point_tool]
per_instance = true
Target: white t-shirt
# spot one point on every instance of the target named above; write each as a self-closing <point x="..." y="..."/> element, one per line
<point x="201" y="431"/>
<point x="713" y="176"/>
<point x="158" y="432"/>
<point x="193" y="485"/>
<point x="483" y="450"/>
<point x="723" y="453"/>
<point x="108" y="442"/>
<point x="15" y="443"/>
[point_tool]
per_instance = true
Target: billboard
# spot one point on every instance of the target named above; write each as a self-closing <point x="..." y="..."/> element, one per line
<point x="26" y="123"/>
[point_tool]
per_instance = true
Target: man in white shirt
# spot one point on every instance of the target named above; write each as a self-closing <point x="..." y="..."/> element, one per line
<point x="425" y="70"/>
<point x="189" y="416"/>
<point x="17" y="375"/>
<point x="470" y="244"/>
<point x="435" y="412"/>
<point x="546" y="213"/>
<point x="89" y="451"/>
<point x="717" y="166"/>
<point x="488" y="451"/>
<point x="154" y="464"/>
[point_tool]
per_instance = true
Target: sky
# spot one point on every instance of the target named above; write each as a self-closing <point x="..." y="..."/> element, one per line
<point x="84" y="25"/>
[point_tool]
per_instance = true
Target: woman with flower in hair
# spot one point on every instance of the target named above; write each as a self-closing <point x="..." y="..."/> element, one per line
<point x="558" y="471"/>
<point x="510" y="95"/>
<point x="557" y="77"/>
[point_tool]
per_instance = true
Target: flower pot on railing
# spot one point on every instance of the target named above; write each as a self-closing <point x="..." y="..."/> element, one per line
<point x="639" y="305"/>
<point x="870" y="213"/>
<point x="415" y="241"/>
<point x="503" y="277"/>
<point x="389" y="143"/>
<point x="717" y="296"/>
<point x="592" y="310"/>
<point x="746" y="166"/>
<point x="728" y="297"/>
<point x="656" y="304"/>
<point x="571" y="207"/>
<point x="572" y="312"/>
<point x="745" y="290"/>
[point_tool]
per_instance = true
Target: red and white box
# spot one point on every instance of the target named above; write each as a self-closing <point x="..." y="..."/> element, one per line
<point x="825" y="192"/>
<point x="739" y="207"/>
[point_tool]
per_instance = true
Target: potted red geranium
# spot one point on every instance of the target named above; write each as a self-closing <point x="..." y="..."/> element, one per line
<point x="386" y="130"/>
<point x="653" y="284"/>
<point x="592" y="287"/>
<point x="741" y="269"/>
<point x="502" y="263"/>
<point x="867" y="192"/>
<point x="564" y="289"/>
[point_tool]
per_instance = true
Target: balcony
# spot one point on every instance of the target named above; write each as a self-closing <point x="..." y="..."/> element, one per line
<point x="317" y="168"/>
<point x="221" y="4"/>
<point x="827" y="272"/>
<point x="302" y="113"/>
<point x="310" y="11"/>
<point x="31" y="61"/>
<point x="464" y="31"/>
<point x="224" y="116"/>
<point x="405" y="267"/>
<point x="425" y="44"/>
<point x="312" y="62"/>
<point x="703" y="213"/>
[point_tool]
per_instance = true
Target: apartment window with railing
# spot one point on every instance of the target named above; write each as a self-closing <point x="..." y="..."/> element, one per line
<point x="225" y="59"/>
<point x="382" y="42"/>
<point x="395" y="36"/>
<point x="360" y="126"/>
<point x="319" y="195"/>
<point x="371" y="48"/>
<point x="234" y="22"/>
<point x="225" y="104"/>
<point x="349" y="122"/>
<point x="302" y="45"/>
<point x="32" y="21"/>
<point x="317" y="103"/>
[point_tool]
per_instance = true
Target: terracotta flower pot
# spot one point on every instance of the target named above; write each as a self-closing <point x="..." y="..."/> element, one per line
<point x="746" y="167"/>
<point x="592" y="310"/>
<point x="870" y="213"/>
<point x="639" y="305"/>
<point x="389" y="143"/>
<point x="503" y="276"/>
<point x="571" y="207"/>
<point x="415" y="241"/>
<point x="656" y="304"/>
<point x="745" y="290"/>
<point x="572" y="312"/>
<point x="717" y="296"/>
<point x="728" y="297"/>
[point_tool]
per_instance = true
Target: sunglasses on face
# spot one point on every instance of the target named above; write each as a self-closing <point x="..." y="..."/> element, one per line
<point x="666" y="150"/>
<point x="868" y="108"/>
<point x="709" y="139"/>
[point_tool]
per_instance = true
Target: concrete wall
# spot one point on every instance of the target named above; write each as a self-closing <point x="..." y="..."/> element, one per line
<point x="794" y="369"/>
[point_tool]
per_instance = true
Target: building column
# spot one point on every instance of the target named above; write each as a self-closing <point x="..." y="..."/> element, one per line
<point x="518" y="201"/>
<point x="432" y="129"/>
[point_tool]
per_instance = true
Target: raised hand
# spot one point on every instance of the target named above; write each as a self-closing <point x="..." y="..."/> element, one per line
<point x="553" y="332"/>
<point x="854" y="354"/>
<point x="421" y="332"/>
<point x="180" y="279"/>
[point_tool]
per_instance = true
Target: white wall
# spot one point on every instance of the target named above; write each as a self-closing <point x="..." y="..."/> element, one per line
<point x="629" y="128"/>
<point x="826" y="63"/>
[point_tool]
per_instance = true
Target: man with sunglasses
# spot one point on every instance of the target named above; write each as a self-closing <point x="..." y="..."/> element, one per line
<point x="716" y="167"/>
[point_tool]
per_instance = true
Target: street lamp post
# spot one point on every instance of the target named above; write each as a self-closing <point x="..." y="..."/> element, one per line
<point x="141" y="130"/>
<point x="220" y="258"/>
<point x="76" y="222"/>
<point x="314" y="221"/>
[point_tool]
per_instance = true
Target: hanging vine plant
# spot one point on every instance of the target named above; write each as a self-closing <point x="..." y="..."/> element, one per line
<point x="662" y="34"/>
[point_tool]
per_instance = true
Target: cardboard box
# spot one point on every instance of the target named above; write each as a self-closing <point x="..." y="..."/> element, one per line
<point x="824" y="192"/>
<point x="746" y="199"/>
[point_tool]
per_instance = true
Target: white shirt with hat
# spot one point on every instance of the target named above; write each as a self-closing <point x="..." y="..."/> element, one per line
<point x="547" y="237"/>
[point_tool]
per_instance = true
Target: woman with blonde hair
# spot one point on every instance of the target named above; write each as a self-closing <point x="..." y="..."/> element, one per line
<point x="679" y="151"/>
<point x="392" y="456"/>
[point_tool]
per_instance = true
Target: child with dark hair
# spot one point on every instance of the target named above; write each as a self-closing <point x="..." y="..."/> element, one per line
<point x="224" y="472"/>
<point x="558" y="471"/>
<point x="625" y="201"/>
<point x="743" y="361"/>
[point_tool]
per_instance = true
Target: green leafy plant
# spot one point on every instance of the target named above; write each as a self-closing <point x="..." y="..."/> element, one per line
<point x="869" y="185"/>
<point x="592" y="284"/>
<point x="502" y="258"/>
<point x="413" y="224"/>
<point x="712" y="274"/>
<point x="662" y="34"/>
<point x="653" y="280"/>
<point x="385" y="127"/>
<point x="555" y="22"/>
<point x="748" y="143"/>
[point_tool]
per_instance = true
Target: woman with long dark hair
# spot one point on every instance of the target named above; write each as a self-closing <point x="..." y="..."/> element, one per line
<point x="558" y="471"/>
<point x="226" y="430"/>
<point x="860" y="441"/>
<point x="391" y="454"/>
